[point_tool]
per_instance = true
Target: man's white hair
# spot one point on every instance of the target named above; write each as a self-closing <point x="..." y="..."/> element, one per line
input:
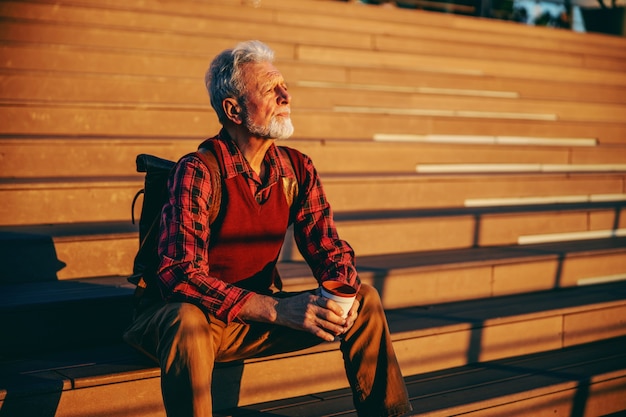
<point x="224" y="79"/>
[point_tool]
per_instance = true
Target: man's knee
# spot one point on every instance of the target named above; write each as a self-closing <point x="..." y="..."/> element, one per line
<point x="369" y="298"/>
<point x="371" y="311"/>
<point x="185" y="329"/>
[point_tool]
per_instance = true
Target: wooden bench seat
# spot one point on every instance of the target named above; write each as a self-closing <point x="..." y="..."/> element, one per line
<point x="448" y="335"/>
<point x="165" y="63"/>
<point x="68" y="86"/>
<point x="34" y="28"/>
<point x="137" y="121"/>
<point x="347" y="125"/>
<point x="132" y="93"/>
<point x="540" y="89"/>
<point x="104" y="157"/>
<point x="76" y="200"/>
<point x="511" y="388"/>
<point x="358" y="29"/>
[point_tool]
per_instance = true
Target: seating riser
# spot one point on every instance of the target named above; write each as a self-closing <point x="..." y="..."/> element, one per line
<point x="208" y="32"/>
<point x="408" y="235"/>
<point x="57" y="158"/>
<point x="108" y="257"/>
<point x="355" y="33"/>
<point x="390" y="16"/>
<point x="403" y="288"/>
<point x="187" y="90"/>
<point x="315" y="124"/>
<point x="101" y="92"/>
<point x="478" y="47"/>
<point x="164" y="64"/>
<point x="310" y="124"/>
<point x="554" y="89"/>
<point x="433" y="350"/>
<point x="432" y="42"/>
<point x="328" y="99"/>
<point x="496" y="32"/>
<point x="317" y="54"/>
<point x="603" y="396"/>
<point x="441" y="192"/>
<point x="93" y="201"/>
<point x="63" y="59"/>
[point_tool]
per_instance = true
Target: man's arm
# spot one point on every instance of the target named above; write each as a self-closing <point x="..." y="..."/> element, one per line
<point x="183" y="245"/>
<point x="328" y="256"/>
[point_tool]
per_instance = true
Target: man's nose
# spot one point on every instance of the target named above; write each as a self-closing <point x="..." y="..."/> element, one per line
<point x="283" y="96"/>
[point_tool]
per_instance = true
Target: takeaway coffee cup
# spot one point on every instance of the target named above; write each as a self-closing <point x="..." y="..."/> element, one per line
<point x="340" y="293"/>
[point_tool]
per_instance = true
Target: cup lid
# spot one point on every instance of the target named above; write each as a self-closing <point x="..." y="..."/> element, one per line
<point x="339" y="289"/>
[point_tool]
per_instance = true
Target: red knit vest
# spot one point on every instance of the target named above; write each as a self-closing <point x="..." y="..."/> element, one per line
<point x="247" y="236"/>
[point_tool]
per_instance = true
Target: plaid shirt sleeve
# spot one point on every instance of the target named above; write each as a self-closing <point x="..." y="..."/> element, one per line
<point x="329" y="257"/>
<point x="183" y="245"/>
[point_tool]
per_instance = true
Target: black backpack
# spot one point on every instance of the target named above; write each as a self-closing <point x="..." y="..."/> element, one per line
<point x="157" y="172"/>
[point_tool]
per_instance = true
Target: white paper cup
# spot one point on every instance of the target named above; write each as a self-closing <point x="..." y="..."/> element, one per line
<point x="340" y="293"/>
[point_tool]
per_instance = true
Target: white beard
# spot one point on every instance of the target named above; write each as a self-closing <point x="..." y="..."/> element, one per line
<point x="278" y="128"/>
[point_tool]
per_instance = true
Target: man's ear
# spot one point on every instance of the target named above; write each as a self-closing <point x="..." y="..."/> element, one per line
<point x="233" y="110"/>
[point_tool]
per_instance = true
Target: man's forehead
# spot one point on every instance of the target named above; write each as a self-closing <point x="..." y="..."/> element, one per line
<point x="262" y="71"/>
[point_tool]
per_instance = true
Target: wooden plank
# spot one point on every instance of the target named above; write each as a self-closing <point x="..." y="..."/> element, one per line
<point x="109" y="199"/>
<point x="553" y="89"/>
<point x="331" y="98"/>
<point x="78" y="157"/>
<point x="310" y="124"/>
<point x="389" y="22"/>
<point x="480" y="327"/>
<point x="593" y="325"/>
<point x="316" y="124"/>
<point x="184" y="91"/>
<point x="307" y="53"/>
<point x="97" y="27"/>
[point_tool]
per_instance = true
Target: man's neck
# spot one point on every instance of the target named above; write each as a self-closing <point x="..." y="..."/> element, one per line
<point x="252" y="148"/>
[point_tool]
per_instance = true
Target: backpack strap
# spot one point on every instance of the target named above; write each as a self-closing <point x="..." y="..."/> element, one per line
<point x="210" y="161"/>
<point x="148" y="163"/>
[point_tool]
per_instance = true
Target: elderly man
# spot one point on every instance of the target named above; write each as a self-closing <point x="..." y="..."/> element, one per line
<point x="220" y="297"/>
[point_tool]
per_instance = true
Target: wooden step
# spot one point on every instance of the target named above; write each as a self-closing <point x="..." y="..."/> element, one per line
<point x="162" y="31"/>
<point x="553" y="89"/>
<point x="112" y="60"/>
<point x="348" y="125"/>
<point x="25" y="84"/>
<point x="405" y="23"/>
<point x="402" y="279"/>
<point x="330" y="97"/>
<point x="426" y="340"/>
<point x="104" y="199"/>
<point x="321" y="96"/>
<point x="340" y="123"/>
<point x="29" y="23"/>
<point x="584" y="380"/>
<point x="91" y="250"/>
<point x="390" y="22"/>
<point x="47" y="157"/>
<point x="499" y="30"/>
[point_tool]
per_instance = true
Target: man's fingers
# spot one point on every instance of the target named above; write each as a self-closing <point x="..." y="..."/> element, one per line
<point x="322" y="334"/>
<point x="331" y="306"/>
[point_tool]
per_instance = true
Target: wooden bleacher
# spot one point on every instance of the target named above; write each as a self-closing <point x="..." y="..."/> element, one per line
<point x="477" y="167"/>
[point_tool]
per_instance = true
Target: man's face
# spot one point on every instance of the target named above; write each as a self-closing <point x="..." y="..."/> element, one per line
<point x="267" y="112"/>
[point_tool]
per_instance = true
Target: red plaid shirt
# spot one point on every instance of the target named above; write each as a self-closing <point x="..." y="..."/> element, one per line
<point x="183" y="244"/>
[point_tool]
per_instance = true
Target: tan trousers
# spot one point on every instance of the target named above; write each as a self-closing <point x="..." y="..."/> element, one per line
<point x="186" y="344"/>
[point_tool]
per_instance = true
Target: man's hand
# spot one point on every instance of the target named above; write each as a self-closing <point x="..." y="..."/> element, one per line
<point x="314" y="314"/>
<point x="308" y="312"/>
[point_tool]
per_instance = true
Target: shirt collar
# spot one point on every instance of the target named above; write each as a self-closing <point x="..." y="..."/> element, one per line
<point x="235" y="163"/>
